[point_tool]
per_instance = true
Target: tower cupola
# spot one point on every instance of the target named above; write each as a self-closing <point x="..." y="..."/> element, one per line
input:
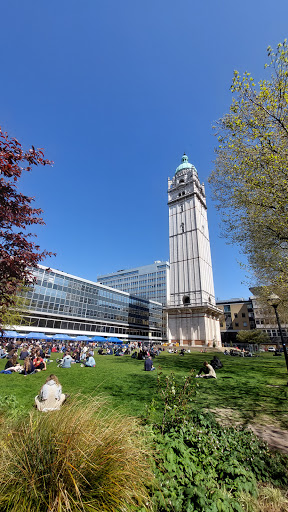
<point x="185" y="164"/>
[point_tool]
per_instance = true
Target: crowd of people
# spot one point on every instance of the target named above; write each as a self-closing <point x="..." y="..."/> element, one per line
<point x="35" y="356"/>
<point x="31" y="357"/>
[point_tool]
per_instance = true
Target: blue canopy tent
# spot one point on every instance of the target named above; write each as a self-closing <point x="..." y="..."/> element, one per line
<point x="115" y="340"/>
<point x="63" y="337"/>
<point x="100" y="339"/>
<point x="10" y="334"/>
<point x="36" y="336"/>
<point x="82" y="338"/>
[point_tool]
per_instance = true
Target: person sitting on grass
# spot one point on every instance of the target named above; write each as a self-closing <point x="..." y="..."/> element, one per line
<point x="47" y="355"/>
<point x="66" y="361"/>
<point x="28" y="366"/>
<point x="216" y="363"/>
<point x="148" y="364"/>
<point x="50" y="397"/>
<point x="90" y="362"/>
<point x="76" y="355"/>
<point x="24" y="353"/>
<point x="3" y="352"/>
<point x="209" y="372"/>
<point x="39" y="364"/>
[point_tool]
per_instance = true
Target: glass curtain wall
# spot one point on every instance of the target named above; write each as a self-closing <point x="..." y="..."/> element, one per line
<point x="66" y="302"/>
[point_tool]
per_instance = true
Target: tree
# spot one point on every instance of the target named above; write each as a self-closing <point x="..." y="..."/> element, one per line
<point x="13" y="315"/>
<point x="250" y="180"/>
<point x="18" y="253"/>
<point x="253" y="336"/>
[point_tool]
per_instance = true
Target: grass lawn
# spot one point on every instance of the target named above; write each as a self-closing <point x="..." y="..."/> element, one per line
<point x="255" y="388"/>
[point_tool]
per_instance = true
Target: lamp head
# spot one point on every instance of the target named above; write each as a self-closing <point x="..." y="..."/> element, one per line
<point x="273" y="300"/>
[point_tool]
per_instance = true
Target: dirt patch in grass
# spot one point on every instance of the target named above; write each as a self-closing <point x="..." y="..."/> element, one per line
<point x="263" y="426"/>
<point x="227" y="417"/>
<point x="275" y="437"/>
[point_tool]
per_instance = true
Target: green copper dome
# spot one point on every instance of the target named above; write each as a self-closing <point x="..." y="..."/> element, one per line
<point x="185" y="164"/>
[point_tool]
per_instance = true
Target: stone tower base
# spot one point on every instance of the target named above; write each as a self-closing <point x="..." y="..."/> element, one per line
<point x="194" y="326"/>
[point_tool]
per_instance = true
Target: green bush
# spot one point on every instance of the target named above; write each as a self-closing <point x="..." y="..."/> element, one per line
<point x="10" y="407"/>
<point x="201" y="466"/>
<point x="175" y="401"/>
<point x="80" y="458"/>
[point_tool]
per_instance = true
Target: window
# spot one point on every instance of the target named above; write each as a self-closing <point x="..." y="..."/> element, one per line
<point x="244" y="324"/>
<point x="243" y="315"/>
<point x="235" y="315"/>
<point x="236" y="324"/>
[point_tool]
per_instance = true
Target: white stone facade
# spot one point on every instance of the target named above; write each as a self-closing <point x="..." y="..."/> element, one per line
<point x="193" y="318"/>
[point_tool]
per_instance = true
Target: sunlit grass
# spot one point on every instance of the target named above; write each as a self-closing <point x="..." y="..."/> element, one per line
<point x="81" y="458"/>
<point x="269" y="499"/>
<point x="252" y="386"/>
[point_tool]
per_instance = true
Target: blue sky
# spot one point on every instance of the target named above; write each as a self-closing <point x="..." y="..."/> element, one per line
<point x="115" y="92"/>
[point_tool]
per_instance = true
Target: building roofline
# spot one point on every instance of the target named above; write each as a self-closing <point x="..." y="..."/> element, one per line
<point x="233" y="300"/>
<point x="65" y="274"/>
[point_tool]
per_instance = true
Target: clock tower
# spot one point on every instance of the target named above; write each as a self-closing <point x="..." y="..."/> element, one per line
<point x="193" y="318"/>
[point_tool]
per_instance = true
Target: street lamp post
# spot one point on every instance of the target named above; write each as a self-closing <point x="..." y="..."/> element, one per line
<point x="274" y="301"/>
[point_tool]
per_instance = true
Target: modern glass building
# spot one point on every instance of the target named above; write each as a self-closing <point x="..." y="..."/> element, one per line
<point x="62" y="303"/>
<point x="149" y="281"/>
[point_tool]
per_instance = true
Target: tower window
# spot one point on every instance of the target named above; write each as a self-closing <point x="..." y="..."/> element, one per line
<point x="186" y="300"/>
<point x="182" y="180"/>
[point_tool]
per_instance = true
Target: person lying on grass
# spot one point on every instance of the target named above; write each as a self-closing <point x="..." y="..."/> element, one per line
<point x="50" y="397"/>
<point x="12" y="364"/>
<point x="209" y="372"/>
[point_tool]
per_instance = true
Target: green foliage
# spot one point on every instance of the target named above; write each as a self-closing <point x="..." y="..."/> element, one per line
<point x="175" y="400"/>
<point x="202" y="466"/>
<point x="252" y="336"/>
<point x="250" y="181"/>
<point x="80" y="458"/>
<point x="10" y="407"/>
<point x="11" y="314"/>
<point x="199" y="465"/>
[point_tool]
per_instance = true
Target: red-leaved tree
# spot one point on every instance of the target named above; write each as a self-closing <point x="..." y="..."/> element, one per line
<point x="18" y="254"/>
